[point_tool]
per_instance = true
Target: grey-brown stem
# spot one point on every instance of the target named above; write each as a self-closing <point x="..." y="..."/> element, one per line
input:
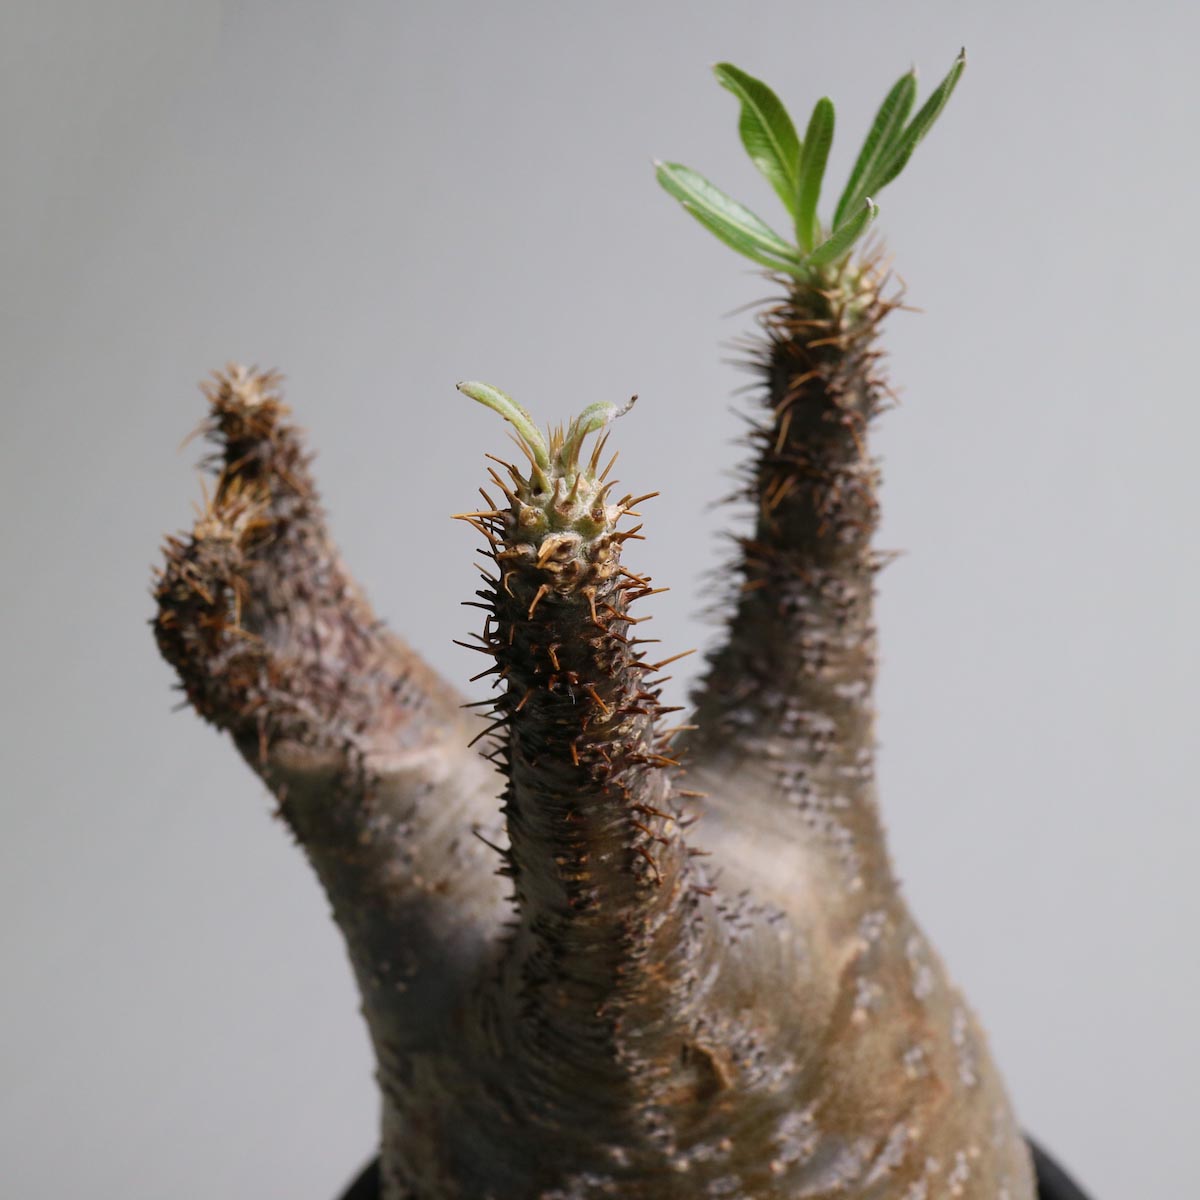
<point x="623" y="1041"/>
<point x="362" y="744"/>
<point x="766" y="1022"/>
<point x="903" y="1100"/>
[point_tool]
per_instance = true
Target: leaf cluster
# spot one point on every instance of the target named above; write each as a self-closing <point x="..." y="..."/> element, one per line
<point x="558" y="453"/>
<point x="795" y="168"/>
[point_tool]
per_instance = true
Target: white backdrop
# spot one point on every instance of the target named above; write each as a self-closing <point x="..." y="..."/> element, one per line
<point x="381" y="198"/>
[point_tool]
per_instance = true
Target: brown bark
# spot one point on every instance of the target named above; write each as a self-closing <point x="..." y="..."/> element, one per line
<point x="902" y="1085"/>
<point x="659" y="1010"/>
<point x="363" y="746"/>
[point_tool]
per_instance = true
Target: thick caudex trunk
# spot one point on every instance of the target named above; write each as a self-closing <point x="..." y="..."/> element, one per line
<point x="627" y="989"/>
<point x="600" y="957"/>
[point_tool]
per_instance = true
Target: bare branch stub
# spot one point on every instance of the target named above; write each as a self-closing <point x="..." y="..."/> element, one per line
<point x="363" y="746"/>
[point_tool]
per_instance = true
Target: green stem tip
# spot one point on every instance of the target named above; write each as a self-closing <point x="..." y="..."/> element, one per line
<point x="558" y="452"/>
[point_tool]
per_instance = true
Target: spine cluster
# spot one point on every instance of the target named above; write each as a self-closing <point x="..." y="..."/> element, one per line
<point x="799" y="663"/>
<point x="592" y="814"/>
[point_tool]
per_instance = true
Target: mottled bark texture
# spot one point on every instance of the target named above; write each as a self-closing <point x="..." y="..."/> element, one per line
<point x="601" y="957"/>
<point x="904" y="1096"/>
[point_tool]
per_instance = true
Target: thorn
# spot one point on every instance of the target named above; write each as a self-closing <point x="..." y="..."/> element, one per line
<point x="602" y="495"/>
<point x="660" y="760"/>
<point x="490" y="729"/>
<point x="590" y="593"/>
<point x="653" y="865"/>
<point x="468" y="646"/>
<point x="525" y="450"/>
<point x="489" y="845"/>
<point x="573" y="494"/>
<point x="654" y="837"/>
<point x="542" y="591"/>
<point x="479" y="527"/>
<point x="784" y="426"/>
<point x="624" y="616"/>
<point x="508" y="492"/>
<point x="642" y="499"/>
<point x="640" y="580"/>
<point x="650" y="810"/>
<point x="597" y="451"/>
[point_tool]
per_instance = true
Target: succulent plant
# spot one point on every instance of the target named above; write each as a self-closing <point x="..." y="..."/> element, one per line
<point x="601" y="955"/>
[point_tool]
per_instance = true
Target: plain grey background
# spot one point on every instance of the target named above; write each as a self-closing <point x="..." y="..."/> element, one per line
<point x="382" y="198"/>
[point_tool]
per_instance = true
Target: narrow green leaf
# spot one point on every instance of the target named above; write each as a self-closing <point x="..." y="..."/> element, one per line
<point x="888" y="123"/>
<point x="741" y="245"/>
<point x="512" y="412"/>
<point x="893" y="162"/>
<point x="813" y="158"/>
<point x="593" y="418"/>
<point x="844" y="237"/>
<point x="767" y="131"/>
<point x="734" y="224"/>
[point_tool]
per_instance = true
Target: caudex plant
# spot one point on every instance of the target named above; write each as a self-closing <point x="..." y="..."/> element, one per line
<point x="604" y="951"/>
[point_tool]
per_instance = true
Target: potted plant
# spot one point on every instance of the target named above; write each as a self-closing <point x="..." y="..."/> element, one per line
<point x="602" y="951"/>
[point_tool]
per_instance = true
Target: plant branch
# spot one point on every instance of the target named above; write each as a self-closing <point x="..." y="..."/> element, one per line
<point x="361" y="743"/>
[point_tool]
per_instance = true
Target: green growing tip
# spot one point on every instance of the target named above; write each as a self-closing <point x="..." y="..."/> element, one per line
<point x="514" y="414"/>
<point x="560" y="453"/>
<point x="795" y="169"/>
<point x="591" y="420"/>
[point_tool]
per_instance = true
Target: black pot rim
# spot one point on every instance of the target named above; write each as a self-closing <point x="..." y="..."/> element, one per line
<point x="1053" y="1183"/>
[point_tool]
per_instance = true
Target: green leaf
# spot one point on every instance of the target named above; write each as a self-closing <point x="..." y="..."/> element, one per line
<point x="592" y="419"/>
<point x="845" y="235"/>
<point x="736" y="242"/>
<point x="893" y="162"/>
<point x="512" y="412"/>
<point x="734" y="224"/>
<point x="767" y="131"/>
<point x="888" y="123"/>
<point x="813" y="158"/>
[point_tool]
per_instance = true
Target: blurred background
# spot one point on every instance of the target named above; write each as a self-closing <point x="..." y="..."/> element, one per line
<point x="383" y="198"/>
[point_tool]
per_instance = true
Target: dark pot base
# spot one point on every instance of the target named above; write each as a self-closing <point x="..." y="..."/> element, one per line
<point x="1053" y="1182"/>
